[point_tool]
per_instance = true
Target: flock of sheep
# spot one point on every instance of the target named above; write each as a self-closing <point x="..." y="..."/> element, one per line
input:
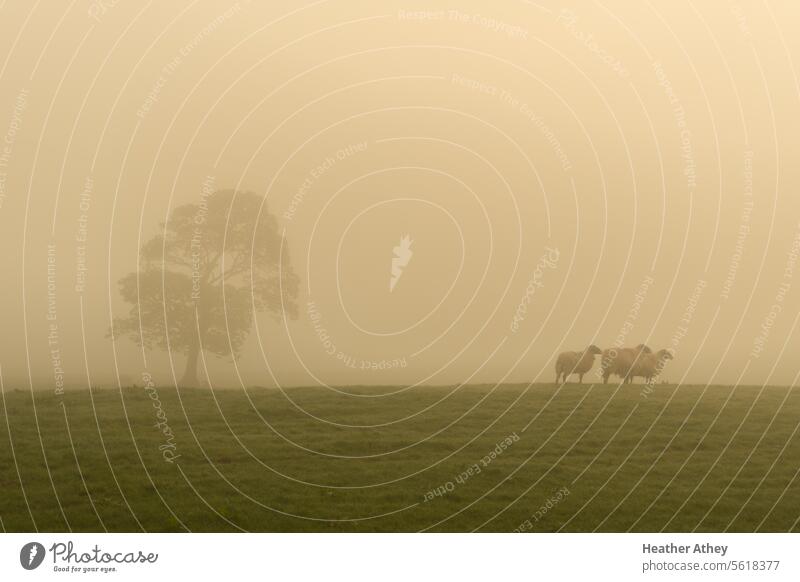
<point x="627" y="363"/>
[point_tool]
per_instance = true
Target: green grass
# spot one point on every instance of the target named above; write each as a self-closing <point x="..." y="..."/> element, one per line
<point x="260" y="461"/>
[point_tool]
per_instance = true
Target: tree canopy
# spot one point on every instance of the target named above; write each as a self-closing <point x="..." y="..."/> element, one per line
<point x="200" y="281"/>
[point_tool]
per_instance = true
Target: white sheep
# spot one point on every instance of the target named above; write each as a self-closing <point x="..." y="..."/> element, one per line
<point x="649" y="366"/>
<point x="576" y="363"/>
<point x="620" y="361"/>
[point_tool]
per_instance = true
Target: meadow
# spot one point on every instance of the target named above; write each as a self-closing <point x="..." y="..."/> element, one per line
<point x="539" y="457"/>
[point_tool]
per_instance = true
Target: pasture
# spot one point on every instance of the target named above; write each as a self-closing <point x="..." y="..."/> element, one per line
<point x="485" y="458"/>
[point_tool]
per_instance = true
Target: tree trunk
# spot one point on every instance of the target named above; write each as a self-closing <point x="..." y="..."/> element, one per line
<point x="189" y="379"/>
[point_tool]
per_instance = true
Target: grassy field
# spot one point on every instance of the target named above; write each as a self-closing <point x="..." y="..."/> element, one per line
<point x="606" y="458"/>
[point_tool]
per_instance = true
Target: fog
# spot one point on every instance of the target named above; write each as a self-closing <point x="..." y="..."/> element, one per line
<point x="465" y="190"/>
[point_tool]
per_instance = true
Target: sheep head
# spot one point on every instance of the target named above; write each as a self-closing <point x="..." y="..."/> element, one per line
<point x="643" y="349"/>
<point x="594" y="350"/>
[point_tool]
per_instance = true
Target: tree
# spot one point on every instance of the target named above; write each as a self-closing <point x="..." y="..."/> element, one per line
<point x="203" y="278"/>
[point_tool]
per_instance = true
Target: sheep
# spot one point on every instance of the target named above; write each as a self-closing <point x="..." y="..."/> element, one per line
<point x="619" y="361"/>
<point x="576" y="363"/>
<point x="650" y="366"/>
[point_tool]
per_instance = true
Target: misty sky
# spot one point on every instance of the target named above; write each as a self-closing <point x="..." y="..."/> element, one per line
<point x="565" y="174"/>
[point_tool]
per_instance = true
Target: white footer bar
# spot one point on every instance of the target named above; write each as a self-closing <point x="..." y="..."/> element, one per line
<point x="401" y="557"/>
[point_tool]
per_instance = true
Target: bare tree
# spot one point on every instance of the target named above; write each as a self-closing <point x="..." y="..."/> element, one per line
<point x="202" y="279"/>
